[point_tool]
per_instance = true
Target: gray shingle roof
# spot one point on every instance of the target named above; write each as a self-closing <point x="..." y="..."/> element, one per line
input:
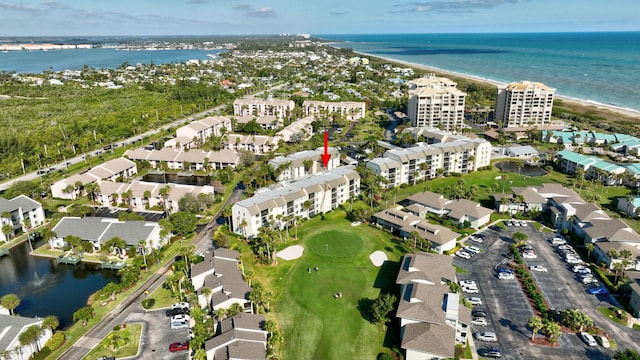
<point x="103" y="229"/>
<point x="11" y="326"/>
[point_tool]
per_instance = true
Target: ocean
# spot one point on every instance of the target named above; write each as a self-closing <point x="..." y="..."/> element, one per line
<point x="594" y="67"/>
<point x="35" y="62"/>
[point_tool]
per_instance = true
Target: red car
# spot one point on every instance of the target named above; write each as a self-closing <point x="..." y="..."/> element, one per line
<point x="179" y="347"/>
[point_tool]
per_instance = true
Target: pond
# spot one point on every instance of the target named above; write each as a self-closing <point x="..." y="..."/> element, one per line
<point x="512" y="166"/>
<point x="48" y="288"/>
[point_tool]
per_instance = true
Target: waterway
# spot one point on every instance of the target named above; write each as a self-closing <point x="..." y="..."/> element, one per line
<point x="512" y="166"/>
<point x="199" y="180"/>
<point x="47" y="288"/>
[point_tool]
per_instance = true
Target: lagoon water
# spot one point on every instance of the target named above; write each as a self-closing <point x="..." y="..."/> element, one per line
<point x="47" y="288"/>
<point x="109" y="58"/>
<point x="598" y="67"/>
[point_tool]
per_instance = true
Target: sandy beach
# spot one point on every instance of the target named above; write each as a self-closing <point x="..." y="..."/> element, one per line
<point x="569" y="100"/>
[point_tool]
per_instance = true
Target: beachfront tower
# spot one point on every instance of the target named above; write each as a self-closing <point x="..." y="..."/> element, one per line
<point x="436" y="102"/>
<point x="523" y="104"/>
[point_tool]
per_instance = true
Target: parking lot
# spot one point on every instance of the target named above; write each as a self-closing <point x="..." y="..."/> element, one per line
<point x="157" y="335"/>
<point x="113" y="213"/>
<point x="508" y="309"/>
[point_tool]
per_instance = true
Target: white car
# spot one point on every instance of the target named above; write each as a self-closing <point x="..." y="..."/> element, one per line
<point x="578" y="268"/>
<point x="470" y="283"/>
<point x="529" y="255"/>
<point x="588" y="339"/>
<point x="479" y="321"/>
<point x="523" y="223"/>
<point x="463" y="254"/>
<point x="180" y="318"/>
<point x="472" y="249"/>
<point x="181" y="305"/>
<point x="179" y="325"/>
<point x="603" y="341"/>
<point x="470" y="290"/>
<point x="474" y="301"/>
<point x="506" y="276"/>
<point x="558" y="241"/>
<point x="476" y="239"/>
<point x="486" y="336"/>
<point x="565" y="247"/>
<point x="538" y="268"/>
<point x="574" y="260"/>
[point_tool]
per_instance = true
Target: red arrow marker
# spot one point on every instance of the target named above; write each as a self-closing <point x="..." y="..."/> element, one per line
<point x="326" y="156"/>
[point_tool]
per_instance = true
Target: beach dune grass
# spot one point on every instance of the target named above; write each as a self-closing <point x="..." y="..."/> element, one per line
<point x="316" y="324"/>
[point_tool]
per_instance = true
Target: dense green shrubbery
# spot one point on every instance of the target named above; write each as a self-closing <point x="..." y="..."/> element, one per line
<point x="56" y="341"/>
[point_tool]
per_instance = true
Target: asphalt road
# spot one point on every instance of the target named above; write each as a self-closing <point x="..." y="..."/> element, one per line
<point x="508" y="309"/>
<point x="155" y="338"/>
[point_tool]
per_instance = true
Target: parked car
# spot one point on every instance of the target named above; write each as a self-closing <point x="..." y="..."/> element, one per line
<point x="588" y="339"/>
<point x="470" y="290"/>
<point x="578" y="268"/>
<point x="565" y="247"/>
<point x="175" y="347"/>
<point x="106" y="358"/>
<point x="491" y="352"/>
<point x="470" y="283"/>
<point x="476" y="239"/>
<point x="178" y="311"/>
<point x="538" y="268"/>
<point x="180" y="318"/>
<point x="574" y="260"/>
<point x="179" y="325"/>
<point x="558" y="241"/>
<point x="529" y="255"/>
<point x="506" y="276"/>
<point x="481" y="236"/>
<point x="474" y="300"/>
<point x="479" y="321"/>
<point x="505" y="270"/>
<point x="181" y="305"/>
<point x="463" y="254"/>
<point x="495" y="228"/>
<point x="598" y="290"/>
<point x="478" y="313"/>
<point x="486" y="336"/>
<point x="603" y="341"/>
<point x="472" y="249"/>
<point x="588" y="281"/>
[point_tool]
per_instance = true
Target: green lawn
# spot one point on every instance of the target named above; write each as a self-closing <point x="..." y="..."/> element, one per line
<point x="128" y="340"/>
<point x="611" y="314"/>
<point x="161" y="298"/>
<point x="314" y="323"/>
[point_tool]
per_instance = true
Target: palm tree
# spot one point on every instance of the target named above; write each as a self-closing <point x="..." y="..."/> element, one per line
<point x="243" y="225"/>
<point x="536" y="324"/>
<point x="7" y="230"/>
<point x="589" y="247"/>
<point x="143" y="248"/>
<point x="30" y="336"/>
<point x="226" y="213"/>
<point x="10" y="302"/>
<point x="552" y="330"/>
<point x="50" y="322"/>
<point x="128" y="195"/>
<point x="83" y="314"/>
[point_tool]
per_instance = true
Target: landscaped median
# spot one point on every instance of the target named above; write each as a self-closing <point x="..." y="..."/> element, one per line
<point x="122" y="342"/>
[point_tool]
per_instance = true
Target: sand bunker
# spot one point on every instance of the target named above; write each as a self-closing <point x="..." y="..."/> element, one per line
<point x="378" y="258"/>
<point x="290" y="253"/>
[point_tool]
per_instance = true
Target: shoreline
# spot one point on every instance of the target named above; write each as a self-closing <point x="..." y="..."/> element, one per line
<point x="632" y="113"/>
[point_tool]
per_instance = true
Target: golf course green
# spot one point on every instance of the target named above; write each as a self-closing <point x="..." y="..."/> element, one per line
<point x="316" y="322"/>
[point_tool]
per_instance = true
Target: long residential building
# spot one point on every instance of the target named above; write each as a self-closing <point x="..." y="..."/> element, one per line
<point x="432" y="319"/>
<point x="257" y="144"/>
<point x="262" y="107"/>
<point x="436" y="102"/>
<point x="351" y="110"/>
<point x="196" y="133"/>
<point x="279" y="204"/>
<point x="427" y="161"/>
<point x="186" y="160"/>
<point x="303" y="163"/>
<point x="595" y="168"/>
<point x="299" y="130"/>
<point x="72" y="187"/>
<point x="11" y="327"/>
<point x="146" y="195"/>
<point x="524" y="104"/>
<point x="20" y="212"/>
<point x="97" y="230"/>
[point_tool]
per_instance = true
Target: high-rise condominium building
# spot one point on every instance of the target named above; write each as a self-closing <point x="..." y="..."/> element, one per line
<point x="436" y="102"/>
<point x="523" y="104"/>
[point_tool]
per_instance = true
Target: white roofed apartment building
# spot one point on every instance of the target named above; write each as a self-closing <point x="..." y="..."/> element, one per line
<point x="306" y="197"/>
<point x="524" y="104"/>
<point x="299" y="130"/>
<point x="436" y="102"/>
<point x="146" y="195"/>
<point x="351" y="110"/>
<point x="262" y="107"/>
<point x="110" y="170"/>
<point x="10" y="329"/>
<point x="257" y="144"/>
<point x="426" y="161"/>
<point x="186" y="160"/>
<point x="22" y="212"/>
<point x="303" y="163"/>
<point x="196" y="133"/>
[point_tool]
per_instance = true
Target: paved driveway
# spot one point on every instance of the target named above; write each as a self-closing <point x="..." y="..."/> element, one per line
<point x="157" y="335"/>
<point x="508" y="309"/>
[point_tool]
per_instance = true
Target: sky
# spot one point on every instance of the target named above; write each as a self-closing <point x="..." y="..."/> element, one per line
<point x="316" y="17"/>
